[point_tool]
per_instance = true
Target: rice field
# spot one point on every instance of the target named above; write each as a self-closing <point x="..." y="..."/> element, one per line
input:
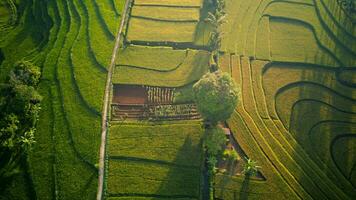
<point x="166" y="13"/>
<point x="177" y="3"/>
<point x="154" y="161"/>
<point x="188" y="70"/>
<point x="298" y="106"/>
<point x="168" y="22"/>
<point x="293" y="60"/>
<point x="154" y="58"/>
<point x="63" y="39"/>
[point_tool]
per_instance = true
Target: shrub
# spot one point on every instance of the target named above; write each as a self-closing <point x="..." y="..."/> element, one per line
<point x="230" y="155"/>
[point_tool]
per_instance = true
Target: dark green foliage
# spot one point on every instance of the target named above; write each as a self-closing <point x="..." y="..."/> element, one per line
<point x="216" y="96"/>
<point x="214" y="141"/>
<point x="1" y="56"/>
<point x="216" y="19"/>
<point x="19" y="109"/>
<point x="25" y="73"/>
<point x="347" y="5"/>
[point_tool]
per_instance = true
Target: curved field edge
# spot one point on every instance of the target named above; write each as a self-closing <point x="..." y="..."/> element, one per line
<point x="65" y="135"/>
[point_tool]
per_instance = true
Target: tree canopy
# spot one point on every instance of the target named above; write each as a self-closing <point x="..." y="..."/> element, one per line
<point x="19" y="110"/>
<point x="216" y="96"/>
<point x="214" y="141"/>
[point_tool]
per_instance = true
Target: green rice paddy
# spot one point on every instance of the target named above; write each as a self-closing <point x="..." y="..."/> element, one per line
<point x="293" y="60"/>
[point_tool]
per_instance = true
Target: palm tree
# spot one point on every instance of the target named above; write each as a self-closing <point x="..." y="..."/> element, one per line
<point x="217" y="19"/>
<point x="250" y="167"/>
<point x="28" y="139"/>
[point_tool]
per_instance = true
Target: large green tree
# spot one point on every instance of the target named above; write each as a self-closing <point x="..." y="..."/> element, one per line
<point x="19" y="109"/>
<point x="216" y="96"/>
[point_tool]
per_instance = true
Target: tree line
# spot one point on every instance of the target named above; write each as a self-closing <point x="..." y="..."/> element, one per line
<point x="19" y="113"/>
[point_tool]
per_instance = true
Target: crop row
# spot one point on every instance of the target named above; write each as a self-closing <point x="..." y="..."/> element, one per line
<point x="307" y="89"/>
<point x="257" y="67"/>
<point x="254" y="34"/>
<point x="333" y="15"/>
<point x="70" y="64"/>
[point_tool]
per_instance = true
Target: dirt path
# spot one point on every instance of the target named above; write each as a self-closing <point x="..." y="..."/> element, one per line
<point x="105" y="122"/>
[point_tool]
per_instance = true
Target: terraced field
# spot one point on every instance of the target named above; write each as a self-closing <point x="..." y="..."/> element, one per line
<point x="168" y="23"/>
<point x="8" y="13"/>
<point x="150" y="161"/>
<point x="162" y="161"/>
<point x="294" y="61"/>
<point x="188" y="68"/>
<point x="72" y="41"/>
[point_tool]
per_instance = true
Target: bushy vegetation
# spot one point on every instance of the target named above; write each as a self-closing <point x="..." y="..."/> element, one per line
<point x="214" y="141"/>
<point x="348" y="5"/>
<point x="216" y="19"/>
<point x="19" y="112"/>
<point x="216" y="96"/>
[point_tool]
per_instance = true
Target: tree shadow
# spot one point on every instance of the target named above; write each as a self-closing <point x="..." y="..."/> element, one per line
<point x="203" y="30"/>
<point x="2" y="57"/>
<point x="184" y="177"/>
<point x="243" y="194"/>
